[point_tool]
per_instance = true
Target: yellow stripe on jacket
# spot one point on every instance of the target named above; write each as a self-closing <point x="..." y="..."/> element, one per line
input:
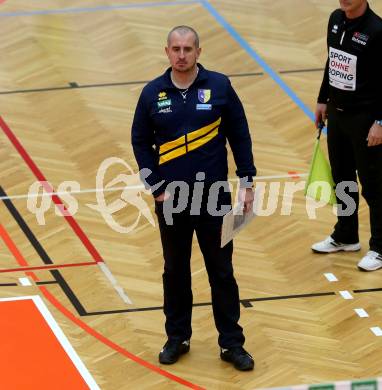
<point x="188" y="142"/>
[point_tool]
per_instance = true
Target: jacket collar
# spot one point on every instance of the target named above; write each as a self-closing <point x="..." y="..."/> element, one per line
<point x="353" y="23"/>
<point x="166" y="78"/>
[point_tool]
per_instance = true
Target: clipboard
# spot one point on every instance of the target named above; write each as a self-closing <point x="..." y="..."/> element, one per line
<point x="236" y="220"/>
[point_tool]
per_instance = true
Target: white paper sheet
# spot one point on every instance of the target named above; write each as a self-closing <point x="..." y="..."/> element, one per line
<point x="236" y="220"/>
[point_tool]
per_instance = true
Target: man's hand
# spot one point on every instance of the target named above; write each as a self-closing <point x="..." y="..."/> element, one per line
<point x="321" y="114"/>
<point x="246" y="196"/>
<point x="375" y="135"/>
<point x="162" y="197"/>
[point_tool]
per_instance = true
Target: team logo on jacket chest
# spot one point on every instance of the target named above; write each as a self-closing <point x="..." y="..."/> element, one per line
<point x="204" y="95"/>
<point x="162" y="96"/>
<point x="335" y="29"/>
<point x="163" y="102"/>
<point x="360" y="38"/>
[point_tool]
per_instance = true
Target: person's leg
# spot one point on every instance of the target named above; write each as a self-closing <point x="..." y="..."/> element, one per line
<point x="343" y="165"/>
<point x="224" y="289"/>
<point x="176" y="242"/>
<point x="369" y="166"/>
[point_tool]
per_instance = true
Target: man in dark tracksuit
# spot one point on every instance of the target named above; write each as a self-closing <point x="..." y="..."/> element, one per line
<point x="181" y="124"/>
<point x="351" y="99"/>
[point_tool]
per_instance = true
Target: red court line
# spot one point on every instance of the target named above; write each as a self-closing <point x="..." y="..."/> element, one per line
<point x="14" y="250"/>
<point x="293" y="175"/>
<point x="113" y="345"/>
<point x="42" y="267"/>
<point x="12" y="247"/>
<point x="21" y="260"/>
<point x="39" y="175"/>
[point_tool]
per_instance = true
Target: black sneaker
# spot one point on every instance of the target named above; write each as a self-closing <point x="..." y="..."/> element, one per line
<point x="239" y="357"/>
<point x="172" y="350"/>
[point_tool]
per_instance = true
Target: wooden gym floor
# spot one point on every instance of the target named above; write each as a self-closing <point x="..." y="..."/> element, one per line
<point x="70" y="75"/>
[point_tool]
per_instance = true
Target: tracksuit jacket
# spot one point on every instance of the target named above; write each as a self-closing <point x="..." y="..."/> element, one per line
<point x="178" y="137"/>
<point x="353" y="73"/>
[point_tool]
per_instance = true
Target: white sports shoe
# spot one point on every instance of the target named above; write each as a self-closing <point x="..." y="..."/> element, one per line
<point x="330" y="246"/>
<point x="371" y="262"/>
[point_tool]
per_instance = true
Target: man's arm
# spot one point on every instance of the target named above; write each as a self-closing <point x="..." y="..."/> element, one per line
<point x="321" y="107"/>
<point x="239" y="138"/>
<point x="320" y="115"/>
<point x="142" y="139"/>
<point x="375" y="134"/>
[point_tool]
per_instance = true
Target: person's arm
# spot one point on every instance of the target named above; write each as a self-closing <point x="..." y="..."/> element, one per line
<point x="321" y="107"/>
<point x="320" y="114"/>
<point x="142" y="139"/>
<point x="375" y="134"/>
<point x="239" y="138"/>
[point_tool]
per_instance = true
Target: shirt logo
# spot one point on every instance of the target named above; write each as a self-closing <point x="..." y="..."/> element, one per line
<point x="204" y="106"/>
<point x="164" y="103"/>
<point x="335" y="29"/>
<point x="166" y="110"/>
<point x="162" y="96"/>
<point x="342" y="70"/>
<point x="360" y="38"/>
<point x="204" y="95"/>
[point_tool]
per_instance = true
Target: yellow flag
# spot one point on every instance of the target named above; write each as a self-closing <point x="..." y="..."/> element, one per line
<point x="320" y="184"/>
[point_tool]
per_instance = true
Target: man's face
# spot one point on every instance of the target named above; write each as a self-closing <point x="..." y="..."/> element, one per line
<point x="351" y="6"/>
<point x="181" y="51"/>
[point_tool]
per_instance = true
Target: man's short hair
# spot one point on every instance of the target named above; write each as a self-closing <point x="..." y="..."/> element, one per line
<point x="182" y="30"/>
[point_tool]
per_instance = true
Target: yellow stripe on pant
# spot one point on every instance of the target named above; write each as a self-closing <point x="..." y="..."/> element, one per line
<point x="188" y="142"/>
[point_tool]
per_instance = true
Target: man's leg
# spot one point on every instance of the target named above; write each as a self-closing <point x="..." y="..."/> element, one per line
<point x="369" y="166"/>
<point x="176" y="243"/>
<point x="224" y="289"/>
<point x="343" y="165"/>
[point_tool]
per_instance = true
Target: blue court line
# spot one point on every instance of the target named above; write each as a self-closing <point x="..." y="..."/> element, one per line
<point x="97" y="9"/>
<point x="245" y="45"/>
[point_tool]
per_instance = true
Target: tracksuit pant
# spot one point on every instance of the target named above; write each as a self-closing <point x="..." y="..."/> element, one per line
<point x="349" y="155"/>
<point x="178" y="300"/>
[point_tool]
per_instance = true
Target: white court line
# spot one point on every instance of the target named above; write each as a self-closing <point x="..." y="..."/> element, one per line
<point x="362" y="313"/>
<point x="136" y="187"/>
<point x="25" y="282"/>
<point x="60" y="337"/>
<point x="331" y="277"/>
<point x="198" y="271"/>
<point x="113" y="281"/>
<point x="346" y="295"/>
<point x="376" y="330"/>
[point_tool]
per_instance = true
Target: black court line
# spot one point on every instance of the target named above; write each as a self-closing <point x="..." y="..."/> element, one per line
<point x="245" y="74"/>
<point x="245" y="302"/>
<point x="25" y="228"/>
<point x="41" y="252"/>
<point x="74" y="85"/>
<point x="301" y="70"/>
<point x="17" y="285"/>
<point x="313" y="295"/>
<point x="69" y="292"/>
<point x="34" y="90"/>
<point x="367" y="290"/>
<point x="120" y="311"/>
<point x="47" y="282"/>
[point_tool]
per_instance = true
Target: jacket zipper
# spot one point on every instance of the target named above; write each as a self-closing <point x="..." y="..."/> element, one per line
<point x="184" y="110"/>
<point x="342" y="37"/>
